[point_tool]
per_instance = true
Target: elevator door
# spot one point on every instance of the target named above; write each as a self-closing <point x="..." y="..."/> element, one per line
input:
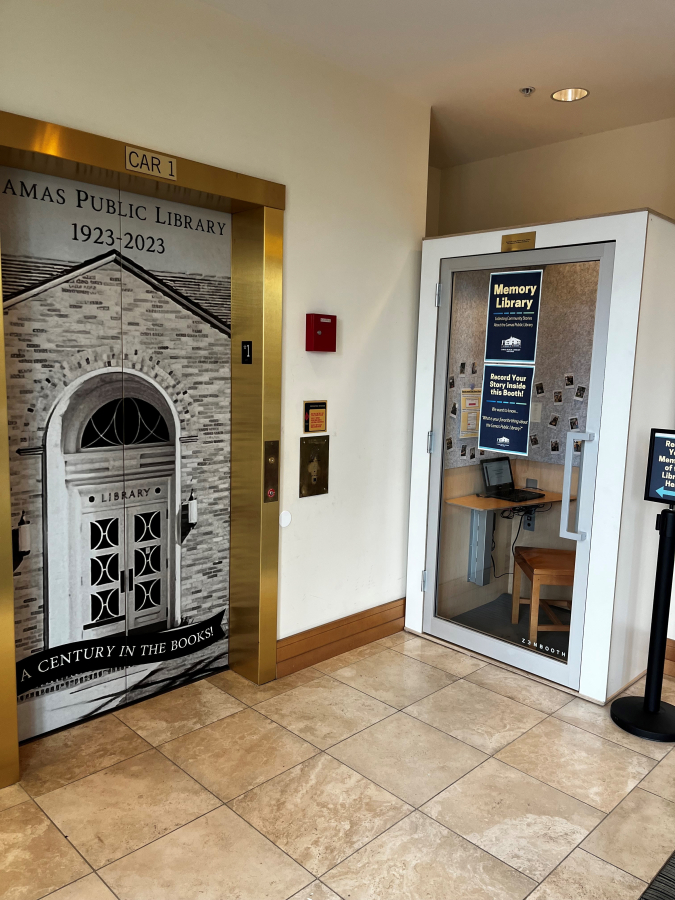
<point x="517" y="407"/>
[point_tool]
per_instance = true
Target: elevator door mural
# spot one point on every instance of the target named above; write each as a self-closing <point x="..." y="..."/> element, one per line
<point x="117" y="335"/>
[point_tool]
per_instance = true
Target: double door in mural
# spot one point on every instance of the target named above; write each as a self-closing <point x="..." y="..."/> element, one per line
<point x="125" y="572"/>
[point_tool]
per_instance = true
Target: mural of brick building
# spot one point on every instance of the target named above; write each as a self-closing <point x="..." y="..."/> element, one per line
<point x="119" y="414"/>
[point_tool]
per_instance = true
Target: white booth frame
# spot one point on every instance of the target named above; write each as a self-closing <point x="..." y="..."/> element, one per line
<point x="628" y="231"/>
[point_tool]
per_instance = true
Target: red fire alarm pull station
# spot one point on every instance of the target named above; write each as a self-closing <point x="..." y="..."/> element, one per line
<point x="320" y="332"/>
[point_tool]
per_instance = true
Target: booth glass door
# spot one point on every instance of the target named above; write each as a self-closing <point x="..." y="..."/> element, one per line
<point x="520" y="358"/>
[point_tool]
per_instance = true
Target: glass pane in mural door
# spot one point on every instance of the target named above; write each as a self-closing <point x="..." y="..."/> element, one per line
<point x="117" y="324"/>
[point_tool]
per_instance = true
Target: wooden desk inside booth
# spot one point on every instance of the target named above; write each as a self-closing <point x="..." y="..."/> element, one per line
<point x="471" y="501"/>
<point x="483" y="511"/>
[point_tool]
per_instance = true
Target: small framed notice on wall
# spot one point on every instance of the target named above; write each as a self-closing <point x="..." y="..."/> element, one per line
<point x="470" y="412"/>
<point x="315" y="416"/>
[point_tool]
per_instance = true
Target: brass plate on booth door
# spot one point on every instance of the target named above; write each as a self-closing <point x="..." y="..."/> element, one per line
<point x="313" y="466"/>
<point x="523" y="241"/>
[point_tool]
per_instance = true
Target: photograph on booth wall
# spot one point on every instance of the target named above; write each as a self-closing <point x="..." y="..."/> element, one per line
<point x="117" y="340"/>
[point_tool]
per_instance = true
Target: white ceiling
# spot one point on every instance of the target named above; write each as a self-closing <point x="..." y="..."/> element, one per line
<point x="468" y="58"/>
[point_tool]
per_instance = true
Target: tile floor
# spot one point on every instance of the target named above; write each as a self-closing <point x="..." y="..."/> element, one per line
<point x="399" y="771"/>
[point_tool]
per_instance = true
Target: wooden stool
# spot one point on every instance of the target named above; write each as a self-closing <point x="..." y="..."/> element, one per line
<point x="541" y="566"/>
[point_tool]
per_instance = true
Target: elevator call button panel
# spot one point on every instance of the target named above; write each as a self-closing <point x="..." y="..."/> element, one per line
<point x="271" y="468"/>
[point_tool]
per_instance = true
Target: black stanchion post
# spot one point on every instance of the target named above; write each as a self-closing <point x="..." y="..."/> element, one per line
<point x="662" y="591"/>
<point x="648" y="716"/>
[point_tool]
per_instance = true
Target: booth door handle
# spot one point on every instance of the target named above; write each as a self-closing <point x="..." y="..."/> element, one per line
<point x="567" y="484"/>
<point x="131" y="579"/>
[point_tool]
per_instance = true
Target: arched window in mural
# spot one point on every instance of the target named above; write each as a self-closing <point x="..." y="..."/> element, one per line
<point x="127" y="420"/>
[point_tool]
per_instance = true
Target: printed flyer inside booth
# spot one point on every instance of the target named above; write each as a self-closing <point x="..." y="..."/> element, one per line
<point x="505" y="409"/>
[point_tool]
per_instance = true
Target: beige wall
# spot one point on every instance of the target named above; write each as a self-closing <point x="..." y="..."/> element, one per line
<point x="433" y="201"/>
<point x="629" y="168"/>
<point x="189" y="80"/>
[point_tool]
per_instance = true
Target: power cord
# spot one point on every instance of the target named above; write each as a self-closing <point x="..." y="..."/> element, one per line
<point x="511" y="514"/>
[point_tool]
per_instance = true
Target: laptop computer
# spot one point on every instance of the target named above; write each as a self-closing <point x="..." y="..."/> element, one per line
<point x="498" y="479"/>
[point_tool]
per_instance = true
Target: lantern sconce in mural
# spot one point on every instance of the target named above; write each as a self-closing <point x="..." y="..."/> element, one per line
<point x="20" y="542"/>
<point x="188" y="516"/>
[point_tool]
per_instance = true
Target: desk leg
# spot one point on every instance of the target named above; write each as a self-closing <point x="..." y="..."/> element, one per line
<point x="480" y="546"/>
<point x="515" y="596"/>
<point x="534" y="608"/>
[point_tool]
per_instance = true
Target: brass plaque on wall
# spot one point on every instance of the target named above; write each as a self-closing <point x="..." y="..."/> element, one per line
<point x="523" y="241"/>
<point x="313" y="466"/>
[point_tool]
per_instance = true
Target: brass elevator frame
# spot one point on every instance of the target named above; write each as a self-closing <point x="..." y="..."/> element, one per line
<point x="257" y="247"/>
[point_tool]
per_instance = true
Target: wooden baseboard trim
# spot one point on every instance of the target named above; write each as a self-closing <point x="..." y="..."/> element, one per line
<point x="669" y="667"/>
<point x="318" y="644"/>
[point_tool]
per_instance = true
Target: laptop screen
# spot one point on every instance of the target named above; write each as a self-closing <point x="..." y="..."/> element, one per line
<point x="497" y="473"/>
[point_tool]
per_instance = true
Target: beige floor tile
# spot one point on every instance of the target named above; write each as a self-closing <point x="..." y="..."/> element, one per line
<point x="521" y="821"/>
<point x="661" y="779"/>
<point x="329" y="666"/>
<point x="407" y="757"/>
<point x="89" y="888"/>
<point x="517" y="687"/>
<point x="394" y="678"/>
<point x="583" y="877"/>
<point x="237" y="753"/>
<point x="476" y="716"/>
<point x="320" y="812"/>
<point x="393" y="640"/>
<point x="58" y="759"/>
<point x="315" y="891"/>
<point x="638" y="836"/>
<point x="251" y="694"/>
<point x="638" y="689"/>
<point x="597" y="720"/>
<point x="12" y="796"/>
<point x="121" y="808"/>
<point x="578" y="763"/>
<point x="418" y="859"/>
<point x="216" y="857"/>
<point x="444" y="658"/>
<point x="35" y="858"/>
<point x="169" y="715"/>
<point x="325" y="711"/>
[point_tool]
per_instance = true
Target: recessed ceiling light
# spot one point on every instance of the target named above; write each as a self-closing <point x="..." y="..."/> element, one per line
<point x="526" y="91"/>
<point x="569" y="94"/>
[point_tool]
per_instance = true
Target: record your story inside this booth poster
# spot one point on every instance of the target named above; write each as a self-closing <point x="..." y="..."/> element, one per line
<point x="117" y="337"/>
